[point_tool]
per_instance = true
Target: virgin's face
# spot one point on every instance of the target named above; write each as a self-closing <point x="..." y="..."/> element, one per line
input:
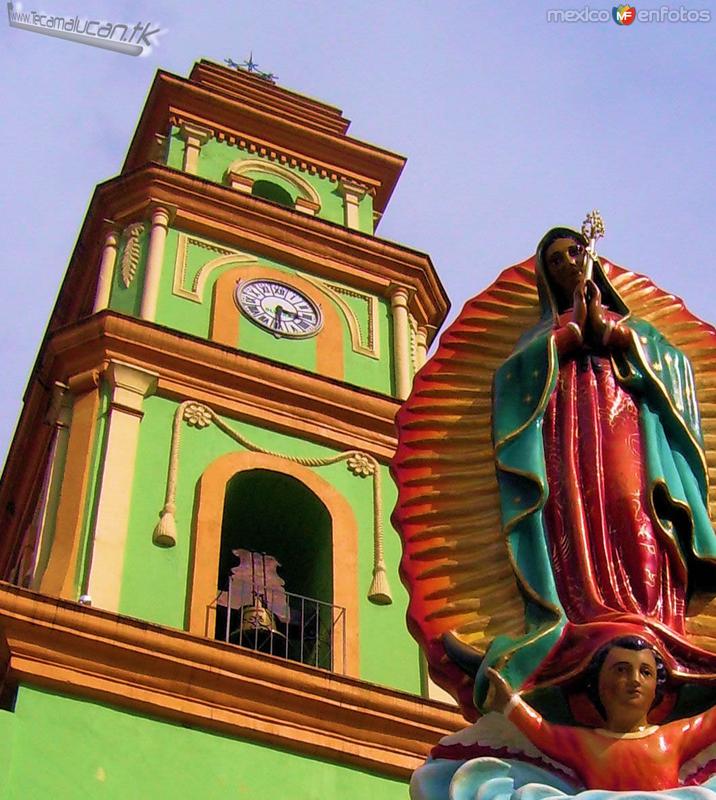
<point x="627" y="683"/>
<point x="564" y="262"/>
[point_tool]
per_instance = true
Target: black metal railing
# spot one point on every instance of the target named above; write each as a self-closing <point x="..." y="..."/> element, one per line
<point x="282" y="624"/>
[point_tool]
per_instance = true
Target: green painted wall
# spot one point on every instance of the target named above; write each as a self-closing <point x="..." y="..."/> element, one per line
<point x="175" y="149"/>
<point x="62" y="748"/>
<point x="216" y="157"/>
<point x="155" y="579"/>
<point x="8" y="728"/>
<point x="194" y="318"/>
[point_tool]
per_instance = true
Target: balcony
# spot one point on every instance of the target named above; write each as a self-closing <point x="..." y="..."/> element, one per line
<point x="282" y="624"/>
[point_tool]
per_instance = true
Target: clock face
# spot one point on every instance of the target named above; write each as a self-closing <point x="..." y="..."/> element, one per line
<point x="278" y="308"/>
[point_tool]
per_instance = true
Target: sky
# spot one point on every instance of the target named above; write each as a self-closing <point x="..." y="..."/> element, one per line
<point x="511" y="125"/>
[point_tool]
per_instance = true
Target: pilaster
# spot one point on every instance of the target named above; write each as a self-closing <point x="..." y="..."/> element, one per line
<point x="129" y="386"/>
<point x="421" y="346"/>
<point x="194" y="138"/>
<point x="59" y="416"/>
<point x="60" y="577"/>
<point x="352" y="193"/>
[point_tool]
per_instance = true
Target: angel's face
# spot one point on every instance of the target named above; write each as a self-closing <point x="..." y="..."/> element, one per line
<point x="627" y="684"/>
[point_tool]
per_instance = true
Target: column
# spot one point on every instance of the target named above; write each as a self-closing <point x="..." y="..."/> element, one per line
<point x="421" y="346"/>
<point x="401" y="340"/>
<point x="159" y="150"/>
<point x="129" y="386"/>
<point x="352" y="193"/>
<point x="155" y="257"/>
<point x="106" y="271"/>
<point x="194" y="137"/>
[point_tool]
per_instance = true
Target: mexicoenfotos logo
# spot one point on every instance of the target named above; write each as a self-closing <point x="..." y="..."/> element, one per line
<point x="626" y="14"/>
<point x="132" y="40"/>
<point x="623" y="15"/>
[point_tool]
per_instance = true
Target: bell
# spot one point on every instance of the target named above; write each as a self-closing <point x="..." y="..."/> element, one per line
<point x="257" y="627"/>
<point x="257" y="616"/>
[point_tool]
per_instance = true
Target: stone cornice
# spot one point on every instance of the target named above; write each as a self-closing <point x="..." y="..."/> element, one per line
<point x="269" y="96"/>
<point x="170" y="674"/>
<point x="231" y="382"/>
<point x="240" y="117"/>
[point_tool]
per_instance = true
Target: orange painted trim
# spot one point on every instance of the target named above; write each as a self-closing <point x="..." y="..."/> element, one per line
<point x="225" y="317"/>
<point x="173" y="675"/>
<point x="60" y="577"/>
<point x="206" y="540"/>
<point x="224" y="320"/>
<point x="233" y="383"/>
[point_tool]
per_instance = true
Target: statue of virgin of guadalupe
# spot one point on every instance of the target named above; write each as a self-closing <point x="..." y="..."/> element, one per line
<point x="602" y="471"/>
<point x="553" y="481"/>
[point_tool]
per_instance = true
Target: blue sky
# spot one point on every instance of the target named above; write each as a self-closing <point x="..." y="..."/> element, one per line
<point x="510" y="124"/>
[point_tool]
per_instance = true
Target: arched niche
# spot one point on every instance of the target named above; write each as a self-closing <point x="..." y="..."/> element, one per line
<point x="221" y="486"/>
<point x="237" y="175"/>
<point x="275" y="561"/>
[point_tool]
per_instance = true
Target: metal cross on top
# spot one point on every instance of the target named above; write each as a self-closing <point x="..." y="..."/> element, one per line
<point x="251" y="66"/>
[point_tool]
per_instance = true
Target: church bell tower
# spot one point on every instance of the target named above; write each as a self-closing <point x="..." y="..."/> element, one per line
<point x="200" y="575"/>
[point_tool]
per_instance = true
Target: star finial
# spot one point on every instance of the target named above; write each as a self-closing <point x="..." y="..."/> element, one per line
<point x="251" y="67"/>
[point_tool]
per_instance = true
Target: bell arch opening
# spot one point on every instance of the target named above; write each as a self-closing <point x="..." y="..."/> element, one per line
<point x="203" y="595"/>
<point x="275" y="570"/>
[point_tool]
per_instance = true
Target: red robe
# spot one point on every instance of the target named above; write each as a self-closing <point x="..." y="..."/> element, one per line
<point x="607" y="555"/>
<point x="615" y="571"/>
<point x="649" y="761"/>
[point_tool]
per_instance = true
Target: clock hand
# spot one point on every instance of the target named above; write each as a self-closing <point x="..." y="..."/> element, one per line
<point x="278" y="311"/>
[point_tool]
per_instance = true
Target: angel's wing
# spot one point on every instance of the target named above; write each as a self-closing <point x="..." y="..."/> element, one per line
<point x="494" y="735"/>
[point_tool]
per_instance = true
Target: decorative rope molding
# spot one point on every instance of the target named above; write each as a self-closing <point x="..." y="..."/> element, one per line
<point x="365" y="345"/>
<point x="362" y="465"/>
<point x="131" y="252"/>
